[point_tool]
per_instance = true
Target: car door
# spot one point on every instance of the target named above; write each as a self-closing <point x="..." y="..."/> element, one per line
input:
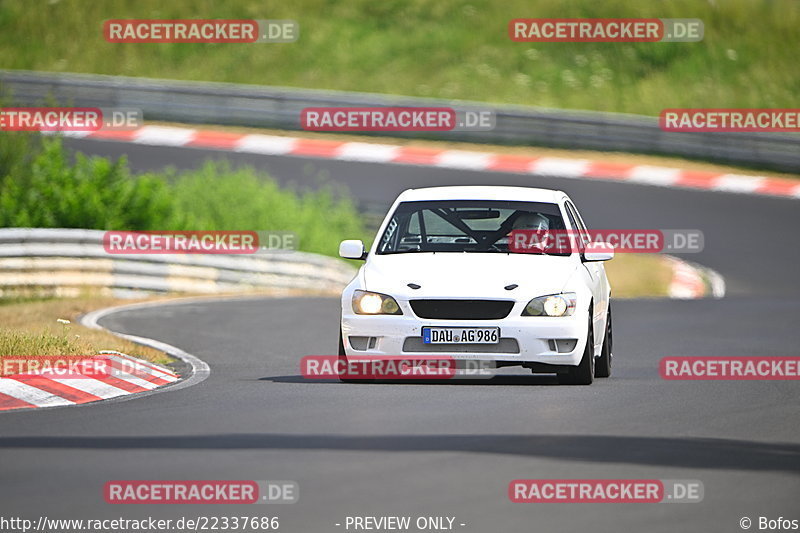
<point x="599" y="282"/>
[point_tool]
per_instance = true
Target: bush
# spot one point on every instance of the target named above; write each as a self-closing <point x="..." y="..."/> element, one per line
<point x="97" y="193"/>
<point x="17" y="151"/>
<point x="92" y="192"/>
<point x="217" y="197"/>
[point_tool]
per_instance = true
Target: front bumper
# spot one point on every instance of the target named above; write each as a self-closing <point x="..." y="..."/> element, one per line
<point x="522" y="339"/>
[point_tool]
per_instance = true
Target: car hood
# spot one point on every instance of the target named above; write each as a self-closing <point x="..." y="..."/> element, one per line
<point x="468" y="275"/>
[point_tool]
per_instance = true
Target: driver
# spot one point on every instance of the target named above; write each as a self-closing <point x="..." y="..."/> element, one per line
<point x="537" y="228"/>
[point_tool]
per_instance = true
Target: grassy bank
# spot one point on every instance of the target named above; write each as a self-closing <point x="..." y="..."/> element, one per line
<point x="30" y="328"/>
<point x="639" y="276"/>
<point x="449" y="49"/>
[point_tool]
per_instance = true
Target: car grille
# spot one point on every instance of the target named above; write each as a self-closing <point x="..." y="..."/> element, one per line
<point x="462" y="309"/>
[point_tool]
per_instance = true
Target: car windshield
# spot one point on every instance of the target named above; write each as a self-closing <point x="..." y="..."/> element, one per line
<point x="480" y="226"/>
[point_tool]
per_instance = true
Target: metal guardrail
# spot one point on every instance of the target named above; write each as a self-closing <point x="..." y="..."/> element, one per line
<point x="271" y="107"/>
<point x="61" y="260"/>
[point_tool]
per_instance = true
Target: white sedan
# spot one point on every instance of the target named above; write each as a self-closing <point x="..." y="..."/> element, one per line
<point x="442" y="278"/>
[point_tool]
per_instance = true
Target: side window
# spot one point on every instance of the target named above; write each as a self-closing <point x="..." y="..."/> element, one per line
<point x="389" y="240"/>
<point x="403" y="233"/>
<point x="572" y="223"/>
<point x="578" y="216"/>
<point x="576" y="222"/>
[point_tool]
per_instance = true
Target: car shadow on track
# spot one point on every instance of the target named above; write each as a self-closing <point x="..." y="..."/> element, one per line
<point x="700" y="453"/>
<point x="503" y="380"/>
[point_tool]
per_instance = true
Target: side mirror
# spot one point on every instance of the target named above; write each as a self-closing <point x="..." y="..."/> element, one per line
<point x="598" y="251"/>
<point x="352" y="249"/>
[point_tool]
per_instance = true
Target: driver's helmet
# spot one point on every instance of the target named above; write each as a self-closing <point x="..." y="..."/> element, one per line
<point x="535" y="222"/>
<point x="532" y="221"/>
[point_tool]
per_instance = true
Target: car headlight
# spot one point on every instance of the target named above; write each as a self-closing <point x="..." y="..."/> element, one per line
<point x="374" y="303"/>
<point x="552" y="305"/>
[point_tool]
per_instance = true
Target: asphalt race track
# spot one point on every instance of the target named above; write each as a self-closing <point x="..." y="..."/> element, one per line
<point x="450" y="449"/>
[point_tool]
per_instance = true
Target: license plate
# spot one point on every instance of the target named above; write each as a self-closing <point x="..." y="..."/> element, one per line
<point x="452" y="335"/>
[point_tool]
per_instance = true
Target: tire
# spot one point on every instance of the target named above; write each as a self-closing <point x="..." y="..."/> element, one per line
<point x="342" y="358"/>
<point x="602" y="368"/>
<point x="583" y="374"/>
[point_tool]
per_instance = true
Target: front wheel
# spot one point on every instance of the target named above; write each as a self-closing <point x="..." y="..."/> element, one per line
<point x="342" y="360"/>
<point x="583" y="374"/>
<point x="603" y="365"/>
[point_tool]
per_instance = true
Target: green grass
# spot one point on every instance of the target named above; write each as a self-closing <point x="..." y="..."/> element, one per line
<point x="445" y="48"/>
<point x="639" y="275"/>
